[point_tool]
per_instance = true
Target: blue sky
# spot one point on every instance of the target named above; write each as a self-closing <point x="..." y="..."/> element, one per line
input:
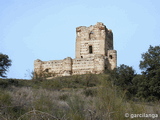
<point x="45" y="29"/>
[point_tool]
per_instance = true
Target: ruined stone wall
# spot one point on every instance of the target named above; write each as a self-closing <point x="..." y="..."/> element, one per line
<point x="53" y="66"/>
<point x="88" y="65"/>
<point x="94" y="54"/>
<point x="70" y="66"/>
<point x="82" y="66"/>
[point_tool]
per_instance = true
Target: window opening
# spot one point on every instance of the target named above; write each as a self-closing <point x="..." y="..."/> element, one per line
<point x="110" y="56"/>
<point x="91" y="35"/>
<point x="105" y="68"/>
<point x="46" y="70"/>
<point x="90" y="49"/>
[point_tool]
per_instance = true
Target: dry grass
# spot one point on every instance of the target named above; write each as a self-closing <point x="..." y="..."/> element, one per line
<point x="78" y="101"/>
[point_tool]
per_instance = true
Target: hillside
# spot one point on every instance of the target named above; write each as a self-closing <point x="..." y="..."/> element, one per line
<point x="83" y="97"/>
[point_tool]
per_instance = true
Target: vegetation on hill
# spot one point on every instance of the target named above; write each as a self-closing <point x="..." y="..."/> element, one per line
<point x="145" y="86"/>
<point x="80" y="97"/>
<point x="108" y="96"/>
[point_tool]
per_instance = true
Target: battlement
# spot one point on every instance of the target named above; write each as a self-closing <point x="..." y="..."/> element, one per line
<point x="94" y="54"/>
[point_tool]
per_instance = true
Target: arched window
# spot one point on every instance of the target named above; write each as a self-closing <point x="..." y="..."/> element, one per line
<point x="46" y="70"/>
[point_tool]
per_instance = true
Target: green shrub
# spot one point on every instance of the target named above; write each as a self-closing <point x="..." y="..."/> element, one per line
<point x="43" y="104"/>
<point x="3" y="84"/>
<point x="76" y="105"/>
<point x="13" y="82"/>
<point x="63" y="97"/>
<point x="8" y="109"/>
<point x="5" y="99"/>
<point x="90" y="92"/>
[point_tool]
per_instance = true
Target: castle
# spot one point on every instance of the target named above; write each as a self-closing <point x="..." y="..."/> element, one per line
<point x="94" y="54"/>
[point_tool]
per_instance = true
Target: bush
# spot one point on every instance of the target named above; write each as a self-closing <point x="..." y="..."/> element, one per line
<point x="90" y="92"/>
<point x="76" y="111"/>
<point x="5" y="99"/>
<point x="63" y="97"/>
<point x="3" y="84"/>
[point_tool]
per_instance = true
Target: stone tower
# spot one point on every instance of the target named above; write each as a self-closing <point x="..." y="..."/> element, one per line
<point x="96" y="40"/>
<point x="94" y="54"/>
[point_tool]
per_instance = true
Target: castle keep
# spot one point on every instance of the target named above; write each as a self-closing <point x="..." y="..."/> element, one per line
<point x="94" y="54"/>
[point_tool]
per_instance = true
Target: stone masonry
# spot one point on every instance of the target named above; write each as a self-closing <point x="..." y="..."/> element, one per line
<point x="94" y="54"/>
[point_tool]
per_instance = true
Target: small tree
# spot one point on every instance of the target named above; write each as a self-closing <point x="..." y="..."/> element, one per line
<point x="150" y="64"/>
<point x="151" y="60"/>
<point x="5" y="62"/>
<point x="123" y="76"/>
